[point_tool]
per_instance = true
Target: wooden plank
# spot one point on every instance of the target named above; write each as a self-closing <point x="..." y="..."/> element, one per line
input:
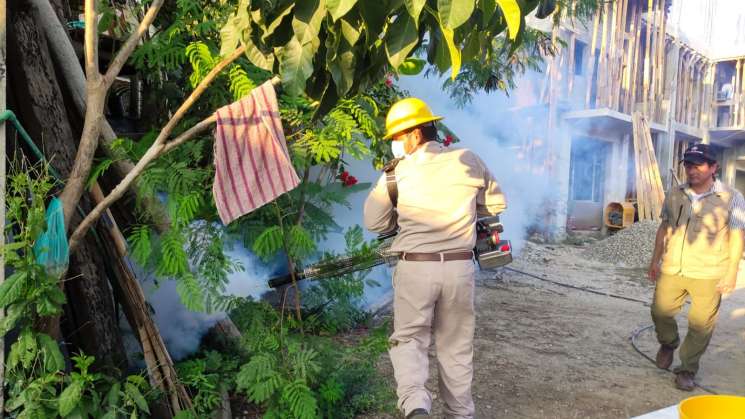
<point x="591" y="61"/>
<point x="641" y="200"/>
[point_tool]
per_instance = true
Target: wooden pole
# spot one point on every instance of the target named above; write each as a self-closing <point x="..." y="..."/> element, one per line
<point x="736" y="95"/>
<point x="3" y="73"/>
<point x="652" y="47"/>
<point x="591" y="61"/>
<point x="611" y="61"/>
<point x="621" y="61"/>
<point x="645" y="89"/>
<point x="634" y="66"/>
<point x="570" y="63"/>
<point x="602" y="68"/>
<point x="741" y="97"/>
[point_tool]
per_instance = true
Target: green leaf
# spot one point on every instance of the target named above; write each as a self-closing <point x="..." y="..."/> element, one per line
<point x="11" y="318"/>
<point x="268" y="243"/>
<point x="342" y="68"/>
<point x="488" y="7"/>
<point x="230" y="36"/>
<point x="97" y="171"/>
<point x="134" y="393"/>
<point x="454" y="52"/>
<point x="70" y="397"/>
<point x="53" y="359"/>
<point x="191" y="294"/>
<point x="351" y="33"/>
<point x="256" y="56"/>
<point x="338" y="8"/>
<point x="113" y="395"/>
<point x="400" y="40"/>
<point x="12" y="288"/>
<point x="512" y="14"/>
<point x="373" y="14"/>
<point x="296" y="65"/>
<point x="277" y="21"/>
<point x="411" y="66"/>
<point x="300" y="243"/>
<point x="454" y="13"/>
<point x="415" y="8"/>
<point x="307" y="20"/>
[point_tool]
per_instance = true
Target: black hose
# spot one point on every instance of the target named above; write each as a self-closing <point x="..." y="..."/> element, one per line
<point x="633" y="338"/>
<point x="562" y="284"/>
<point x="634" y="335"/>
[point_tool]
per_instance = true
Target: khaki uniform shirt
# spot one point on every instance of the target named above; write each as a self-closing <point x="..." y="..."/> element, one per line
<point x="697" y="240"/>
<point x="440" y="192"/>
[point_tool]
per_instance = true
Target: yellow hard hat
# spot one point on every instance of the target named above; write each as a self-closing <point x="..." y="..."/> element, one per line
<point x="407" y="113"/>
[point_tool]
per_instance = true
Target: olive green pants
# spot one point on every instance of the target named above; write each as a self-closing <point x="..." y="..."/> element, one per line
<point x="669" y="297"/>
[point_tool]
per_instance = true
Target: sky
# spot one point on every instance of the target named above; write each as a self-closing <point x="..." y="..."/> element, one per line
<point x="714" y="27"/>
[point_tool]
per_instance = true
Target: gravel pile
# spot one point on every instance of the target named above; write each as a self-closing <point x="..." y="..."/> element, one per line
<point x="631" y="247"/>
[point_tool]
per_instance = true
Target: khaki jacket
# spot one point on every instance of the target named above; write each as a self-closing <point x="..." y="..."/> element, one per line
<point x="440" y="192"/>
<point x="697" y="241"/>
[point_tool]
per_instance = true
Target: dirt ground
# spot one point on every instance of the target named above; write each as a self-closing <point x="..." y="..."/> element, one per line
<point x="547" y="351"/>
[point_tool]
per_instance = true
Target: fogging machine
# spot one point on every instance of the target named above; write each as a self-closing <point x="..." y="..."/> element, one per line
<point x="491" y="252"/>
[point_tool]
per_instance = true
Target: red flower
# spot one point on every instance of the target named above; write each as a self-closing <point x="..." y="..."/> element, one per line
<point x="350" y="180"/>
<point x="344" y="175"/>
<point x="448" y="141"/>
<point x="388" y="81"/>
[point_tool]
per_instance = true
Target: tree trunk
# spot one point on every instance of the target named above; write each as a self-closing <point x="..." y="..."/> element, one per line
<point x="38" y="100"/>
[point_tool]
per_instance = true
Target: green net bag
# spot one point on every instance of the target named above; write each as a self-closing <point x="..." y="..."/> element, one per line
<point x="51" y="249"/>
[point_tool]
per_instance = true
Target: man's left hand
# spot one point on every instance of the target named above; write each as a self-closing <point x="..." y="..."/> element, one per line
<point x="727" y="284"/>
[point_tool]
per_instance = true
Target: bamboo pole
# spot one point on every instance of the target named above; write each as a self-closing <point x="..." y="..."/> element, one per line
<point x="3" y="178"/>
<point x="736" y="95"/>
<point x="621" y="59"/>
<point x="741" y="95"/>
<point x="652" y="47"/>
<point x="663" y="52"/>
<point x="634" y="67"/>
<point x="648" y="35"/>
<point x="600" y="94"/>
<point x="591" y="62"/>
<point x="610" y="63"/>
<point x="570" y="64"/>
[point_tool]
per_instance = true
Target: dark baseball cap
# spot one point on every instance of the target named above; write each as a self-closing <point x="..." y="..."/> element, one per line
<point x="699" y="154"/>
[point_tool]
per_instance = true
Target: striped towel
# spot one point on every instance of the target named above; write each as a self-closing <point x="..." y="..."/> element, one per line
<point x="252" y="165"/>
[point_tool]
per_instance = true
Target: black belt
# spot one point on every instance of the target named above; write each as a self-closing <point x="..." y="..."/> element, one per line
<point x="435" y="257"/>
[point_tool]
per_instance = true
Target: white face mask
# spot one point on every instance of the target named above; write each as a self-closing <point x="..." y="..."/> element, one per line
<point x="397" y="147"/>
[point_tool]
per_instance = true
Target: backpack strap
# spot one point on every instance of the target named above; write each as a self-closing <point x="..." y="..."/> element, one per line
<point x="390" y="180"/>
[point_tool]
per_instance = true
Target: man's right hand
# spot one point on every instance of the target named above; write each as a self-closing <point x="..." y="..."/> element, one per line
<point x="654" y="271"/>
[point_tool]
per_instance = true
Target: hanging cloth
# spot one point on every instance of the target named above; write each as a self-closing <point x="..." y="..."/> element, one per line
<point x="252" y="164"/>
<point x="51" y="249"/>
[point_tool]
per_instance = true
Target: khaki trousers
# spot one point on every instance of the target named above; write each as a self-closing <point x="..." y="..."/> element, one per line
<point x="669" y="296"/>
<point x="434" y="298"/>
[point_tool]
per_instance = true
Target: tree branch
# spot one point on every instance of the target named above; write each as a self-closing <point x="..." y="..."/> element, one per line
<point x="155" y="150"/>
<point x="126" y="50"/>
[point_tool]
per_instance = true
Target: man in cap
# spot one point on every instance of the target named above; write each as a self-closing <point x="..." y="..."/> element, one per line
<point x="697" y="253"/>
<point x="433" y="196"/>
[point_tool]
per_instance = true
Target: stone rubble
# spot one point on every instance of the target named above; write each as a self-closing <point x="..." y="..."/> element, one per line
<point x="631" y="247"/>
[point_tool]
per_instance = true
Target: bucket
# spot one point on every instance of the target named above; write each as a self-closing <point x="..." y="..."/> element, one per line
<point x="712" y="407"/>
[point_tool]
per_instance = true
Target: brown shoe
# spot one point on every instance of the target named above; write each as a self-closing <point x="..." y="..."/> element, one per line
<point x="665" y="357"/>
<point x="684" y="381"/>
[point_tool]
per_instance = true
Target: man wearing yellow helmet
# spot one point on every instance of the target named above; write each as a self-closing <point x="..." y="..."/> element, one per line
<point x="433" y="196"/>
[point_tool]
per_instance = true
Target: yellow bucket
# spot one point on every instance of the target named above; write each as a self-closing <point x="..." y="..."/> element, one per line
<point x="712" y="407"/>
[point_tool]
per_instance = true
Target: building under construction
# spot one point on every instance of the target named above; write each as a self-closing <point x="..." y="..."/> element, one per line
<point x="632" y="58"/>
